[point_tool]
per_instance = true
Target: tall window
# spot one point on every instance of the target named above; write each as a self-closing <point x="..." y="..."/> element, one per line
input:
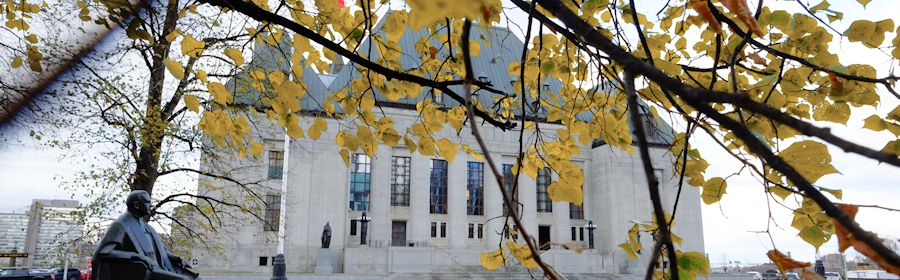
<point x="438" y="186"/>
<point x="475" y="195"/>
<point x="360" y="182"/>
<point x="543" y="198"/>
<point x="576" y="212"/>
<point x="508" y="182"/>
<point x="400" y="181"/>
<point x="276" y="164"/>
<point x="273" y="212"/>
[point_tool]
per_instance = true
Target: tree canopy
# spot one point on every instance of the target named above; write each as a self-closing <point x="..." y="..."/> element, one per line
<point x="764" y="81"/>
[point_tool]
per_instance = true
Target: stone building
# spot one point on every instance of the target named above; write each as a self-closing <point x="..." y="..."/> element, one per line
<point x="428" y="214"/>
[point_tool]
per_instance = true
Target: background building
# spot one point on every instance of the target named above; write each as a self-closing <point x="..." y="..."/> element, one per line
<point x="51" y="231"/>
<point x="12" y="235"/>
<point x="429" y="214"/>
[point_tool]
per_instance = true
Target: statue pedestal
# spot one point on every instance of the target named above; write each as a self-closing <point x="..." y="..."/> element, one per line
<point x="323" y="262"/>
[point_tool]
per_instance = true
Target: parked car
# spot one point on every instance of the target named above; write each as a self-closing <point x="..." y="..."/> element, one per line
<point x="771" y="275"/>
<point x="73" y="274"/>
<point x="832" y="276"/>
<point x="791" y="276"/>
<point x="755" y="275"/>
<point x="22" y="274"/>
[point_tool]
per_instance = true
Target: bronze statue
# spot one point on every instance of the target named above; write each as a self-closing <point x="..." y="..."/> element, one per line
<point x="131" y="249"/>
<point x="326" y="236"/>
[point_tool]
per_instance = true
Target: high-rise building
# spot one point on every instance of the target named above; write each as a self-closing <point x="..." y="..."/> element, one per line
<point x="51" y="232"/>
<point x="12" y="235"/>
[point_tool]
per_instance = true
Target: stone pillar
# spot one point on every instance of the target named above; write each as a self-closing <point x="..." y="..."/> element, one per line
<point x="561" y="224"/>
<point x="528" y="197"/>
<point x="456" y="202"/>
<point x="418" y="198"/>
<point x="380" y="196"/>
<point x="493" y="207"/>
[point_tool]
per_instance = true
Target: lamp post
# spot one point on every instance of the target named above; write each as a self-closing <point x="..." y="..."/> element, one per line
<point x="590" y="227"/>
<point x="364" y="220"/>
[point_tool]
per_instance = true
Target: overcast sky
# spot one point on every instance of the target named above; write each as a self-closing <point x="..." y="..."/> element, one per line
<point x="27" y="172"/>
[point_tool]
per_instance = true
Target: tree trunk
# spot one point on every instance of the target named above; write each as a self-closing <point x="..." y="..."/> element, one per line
<point x="155" y="123"/>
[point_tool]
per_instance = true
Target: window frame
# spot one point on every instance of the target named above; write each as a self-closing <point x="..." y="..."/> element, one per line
<point x="400" y="191"/>
<point x="542" y="181"/>
<point x="360" y="182"/>
<point x="272" y="212"/>
<point x="475" y="184"/>
<point x="437" y="195"/>
<point x="275" y="165"/>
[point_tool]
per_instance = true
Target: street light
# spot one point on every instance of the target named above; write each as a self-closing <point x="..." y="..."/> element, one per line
<point x="364" y="219"/>
<point x="590" y="227"/>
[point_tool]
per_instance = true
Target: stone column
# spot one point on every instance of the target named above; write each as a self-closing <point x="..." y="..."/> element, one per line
<point x="456" y="202"/>
<point x="380" y="196"/>
<point x="493" y="207"/>
<point x="528" y="197"/>
<point x="418" y="198"/>
<point x="561" y="224"/>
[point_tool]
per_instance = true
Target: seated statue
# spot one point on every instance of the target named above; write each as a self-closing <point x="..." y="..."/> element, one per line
<point x="131" y="249"/>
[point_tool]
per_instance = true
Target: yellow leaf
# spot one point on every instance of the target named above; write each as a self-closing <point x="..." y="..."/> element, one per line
<point x="522" y="253"/>
<point x="892" y="147"/>
<point x="201" y="74"/>
<point x="493" y="260"/>
<point x="690" y="264"/>
<point x="562" y="192"/>
<point x="864" y="2"/>
<point x="220" y="94"/>
<point x="447" y="149"/>
<point x="192" y="103"/>
<point x="31" y="38"/>
<point x="191" y="47"/>
<point x="293" y="127"/>
<point x="409" y="144"/>
<point x="315" y="130"/>
<point x="175" y="69"/>
<point x="426" y="146"/>
<point x="256" y="149"/>
<point x="345" y="155"/>
<point x="811" y="159"/>
<point x="390" y="137"/>
<point x="874" y="123"/>
<point x="16" y="63"/>
<point x="235" y="55"/>
<point x="632" y="255"/>
<point x="713" y="190"/>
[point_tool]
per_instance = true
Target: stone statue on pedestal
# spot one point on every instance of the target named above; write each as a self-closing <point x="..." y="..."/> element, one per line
<point x="326" y="236"/>
<point x="131" y="249"/>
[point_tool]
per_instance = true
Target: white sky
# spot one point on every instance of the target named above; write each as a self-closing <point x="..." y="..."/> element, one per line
<point x="28" y="172"/>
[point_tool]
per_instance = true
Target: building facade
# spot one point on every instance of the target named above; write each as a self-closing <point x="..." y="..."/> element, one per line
<point x="427" y="213"/>
<point x="12" y="235"/>
<point x="50" y="232"/>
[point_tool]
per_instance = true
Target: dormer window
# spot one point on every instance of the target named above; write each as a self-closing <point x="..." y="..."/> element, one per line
<point x="546" y="88"/>
<point x="483" y="79"/>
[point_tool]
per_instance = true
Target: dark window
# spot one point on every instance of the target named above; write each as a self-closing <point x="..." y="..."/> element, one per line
<point x="574" y="235"/>
<point x="360" y="182"/>
<point x="263" y="261"/>
<point x="400" y="181"/>
<point x="480" y="231"/>
<point x="443" y="229"/>
<point x="475" y="195"/>
<point x="273" y="212"/>
<point x="353" y="227"/>
<point x="581" y="233"/>
<point x="438" y="186"/>
<point x="471" y="230"/>
<point x="272" y="260"/>
<point x="543" y="198"/>
<point x="576" y="212"/>
<point x="276" y="164"/>
<point x="433" y="229"/>
<point x="508" y="184"/>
